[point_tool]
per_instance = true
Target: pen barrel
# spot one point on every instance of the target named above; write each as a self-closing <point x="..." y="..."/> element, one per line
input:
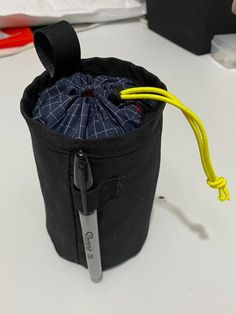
<point x="89" y="226"/>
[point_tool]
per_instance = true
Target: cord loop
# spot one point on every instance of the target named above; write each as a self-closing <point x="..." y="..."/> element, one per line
<point x="159" y="94"/>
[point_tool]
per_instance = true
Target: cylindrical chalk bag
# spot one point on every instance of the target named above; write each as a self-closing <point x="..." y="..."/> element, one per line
<point x="96" y="132"/>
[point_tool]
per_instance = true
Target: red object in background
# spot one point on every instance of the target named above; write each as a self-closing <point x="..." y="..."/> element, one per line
<point x="15" y="37"/>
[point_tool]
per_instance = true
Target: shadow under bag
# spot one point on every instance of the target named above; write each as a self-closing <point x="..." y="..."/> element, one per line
<point x="115" y="175"/>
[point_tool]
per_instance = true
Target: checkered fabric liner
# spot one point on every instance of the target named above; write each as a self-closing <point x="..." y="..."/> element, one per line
<point x="78" y="106"/>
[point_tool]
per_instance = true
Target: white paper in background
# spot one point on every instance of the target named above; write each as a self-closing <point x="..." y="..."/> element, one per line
<point x="39" y="12"/>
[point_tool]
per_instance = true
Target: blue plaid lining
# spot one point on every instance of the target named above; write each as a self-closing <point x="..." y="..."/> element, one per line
<point x="78" y="106"/>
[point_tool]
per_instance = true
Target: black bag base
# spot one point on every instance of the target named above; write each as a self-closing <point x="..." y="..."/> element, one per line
<point x="104" y="268"/>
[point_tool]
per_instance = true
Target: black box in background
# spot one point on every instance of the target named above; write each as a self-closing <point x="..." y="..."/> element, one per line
<point x="191" y="23"/>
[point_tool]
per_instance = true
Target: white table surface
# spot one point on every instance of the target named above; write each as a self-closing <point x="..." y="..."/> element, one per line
<point x="188" y="263"/>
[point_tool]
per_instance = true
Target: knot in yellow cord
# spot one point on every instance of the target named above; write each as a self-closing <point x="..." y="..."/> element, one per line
<point x="220" y="184"/>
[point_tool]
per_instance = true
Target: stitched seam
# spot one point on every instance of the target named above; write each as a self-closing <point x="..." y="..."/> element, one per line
<point x="73" y="210"/>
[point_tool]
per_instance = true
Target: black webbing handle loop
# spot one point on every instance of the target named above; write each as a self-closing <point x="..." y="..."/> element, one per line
<point x="58" y="49"/>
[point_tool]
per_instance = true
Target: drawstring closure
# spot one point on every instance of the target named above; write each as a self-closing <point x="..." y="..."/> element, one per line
<point x="159" y="94"/>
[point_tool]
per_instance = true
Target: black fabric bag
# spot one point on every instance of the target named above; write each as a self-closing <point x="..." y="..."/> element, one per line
<point x="125" y="168"/>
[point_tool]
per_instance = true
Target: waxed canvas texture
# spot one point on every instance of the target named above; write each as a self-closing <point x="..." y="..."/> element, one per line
<point x="125" y="170"/>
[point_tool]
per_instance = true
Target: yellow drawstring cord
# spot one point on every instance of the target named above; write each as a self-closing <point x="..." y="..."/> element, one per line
<point x="159" y="94"/>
